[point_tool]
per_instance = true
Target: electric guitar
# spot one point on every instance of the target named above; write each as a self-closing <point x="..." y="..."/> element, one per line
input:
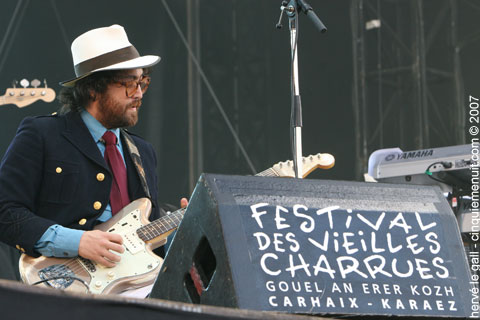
<point x="310" y="163"/>
<point x="139" y="266"/>
<point x="22" y="97"/>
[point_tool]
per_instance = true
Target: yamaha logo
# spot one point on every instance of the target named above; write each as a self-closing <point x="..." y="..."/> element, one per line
<point x="390" y="157"/>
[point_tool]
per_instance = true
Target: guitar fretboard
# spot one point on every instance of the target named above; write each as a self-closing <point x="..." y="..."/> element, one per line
<point x="172" y="220"/>
<point x="268" y="173"/>
<point x="161" y="225"/>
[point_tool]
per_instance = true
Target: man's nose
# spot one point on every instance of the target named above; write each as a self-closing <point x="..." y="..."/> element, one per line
<point x="138" y="92"/>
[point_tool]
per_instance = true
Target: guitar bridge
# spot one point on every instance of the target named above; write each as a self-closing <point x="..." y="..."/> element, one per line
<point x="87" y="264"/>
<point x="57" y="276"/>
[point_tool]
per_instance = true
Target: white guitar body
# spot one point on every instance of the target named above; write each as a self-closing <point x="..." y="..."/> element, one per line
<point x="138" y="267"/>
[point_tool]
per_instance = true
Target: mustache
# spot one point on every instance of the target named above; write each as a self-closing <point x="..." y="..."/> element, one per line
<point x="135" y="104"/>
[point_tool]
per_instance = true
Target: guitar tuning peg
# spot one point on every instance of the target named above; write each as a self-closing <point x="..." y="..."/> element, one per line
<point x="24" y="83"/>
<point x="45" y="83"/>
<point x="35" y="83"/>
<point x="14" y="84"/>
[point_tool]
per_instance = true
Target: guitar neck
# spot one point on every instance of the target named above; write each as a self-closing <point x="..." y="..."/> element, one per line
<point x="2" y="100"/>
<point x="169" y="222"/>
<point x="267" y="173"/>
<point x="161" y="226"/>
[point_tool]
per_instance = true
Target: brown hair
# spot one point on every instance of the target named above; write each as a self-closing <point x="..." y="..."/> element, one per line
<point x="85" y="90"/>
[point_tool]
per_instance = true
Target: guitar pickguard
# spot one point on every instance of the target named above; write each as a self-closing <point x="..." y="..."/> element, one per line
<point x="136" y="260"/>
<point x="128" y="229"/>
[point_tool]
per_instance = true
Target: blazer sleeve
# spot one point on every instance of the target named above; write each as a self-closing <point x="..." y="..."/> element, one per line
<point x="20" y="180"/>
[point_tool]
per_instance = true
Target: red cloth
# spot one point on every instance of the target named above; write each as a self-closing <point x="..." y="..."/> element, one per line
<point x="119" y="194"/>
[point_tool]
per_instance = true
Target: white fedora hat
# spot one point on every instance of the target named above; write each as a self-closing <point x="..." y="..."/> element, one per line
<point x="105" y="49"/>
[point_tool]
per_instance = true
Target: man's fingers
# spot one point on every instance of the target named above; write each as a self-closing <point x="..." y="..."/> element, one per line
<point x="101" y="246"/>
<point x="183" y="202"/>
<point x="116" y="247"/>
<point x="113" y="237"/>
<point x="106" y="262"/>
<point x="111" y="256"/>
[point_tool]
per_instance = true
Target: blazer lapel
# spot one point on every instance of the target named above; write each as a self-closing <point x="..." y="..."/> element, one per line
<point x="77" y="133"/>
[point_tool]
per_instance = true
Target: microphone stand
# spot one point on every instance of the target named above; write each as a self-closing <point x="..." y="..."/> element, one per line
<point x="292" y="8"/>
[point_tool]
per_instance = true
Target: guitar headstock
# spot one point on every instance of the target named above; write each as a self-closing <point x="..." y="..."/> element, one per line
<point x="310" y="163"/>
<point x="22" y="97"/>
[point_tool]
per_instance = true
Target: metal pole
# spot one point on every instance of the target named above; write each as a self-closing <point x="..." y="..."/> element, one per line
<point x="195" y="136"/>
<point x="359" y="88"/>
<point x="457" y="78"/>
<point x="297" y="134"/>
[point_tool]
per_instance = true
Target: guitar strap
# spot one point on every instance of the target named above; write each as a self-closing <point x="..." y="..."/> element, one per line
<point x="137" y="161"/>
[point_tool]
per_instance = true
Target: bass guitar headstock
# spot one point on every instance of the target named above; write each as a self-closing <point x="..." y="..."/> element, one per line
<point x="24" y="96"/>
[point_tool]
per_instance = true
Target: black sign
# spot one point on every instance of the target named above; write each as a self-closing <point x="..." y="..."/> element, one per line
<point x="318" y="247"/>
<point x="342" y="260"/>
<point x="348" y="248"/>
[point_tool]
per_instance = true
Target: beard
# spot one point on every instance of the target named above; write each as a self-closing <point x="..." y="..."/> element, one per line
<point x="117" y="115"/>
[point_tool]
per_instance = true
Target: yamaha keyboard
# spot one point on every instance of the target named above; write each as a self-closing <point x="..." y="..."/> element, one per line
<point x="448" y="167"/>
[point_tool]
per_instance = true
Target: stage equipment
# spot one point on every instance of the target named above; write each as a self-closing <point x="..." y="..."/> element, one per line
<point x="292" y="8"/>
<point x="447" y="167"/>
<point x="317" y="247"/>
<point x="19" y="301"/>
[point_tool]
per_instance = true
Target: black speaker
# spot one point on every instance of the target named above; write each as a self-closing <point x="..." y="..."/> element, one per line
<point x="318" y="247"/>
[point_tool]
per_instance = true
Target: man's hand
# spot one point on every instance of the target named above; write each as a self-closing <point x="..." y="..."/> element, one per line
<point x="183" y="203"/>
<point x="96" y="245"/>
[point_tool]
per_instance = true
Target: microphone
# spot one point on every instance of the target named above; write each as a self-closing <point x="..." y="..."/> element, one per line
<point x="308" y="10"/>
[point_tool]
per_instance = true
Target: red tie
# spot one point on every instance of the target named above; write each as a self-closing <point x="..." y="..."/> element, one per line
<point x="119" y="193"/>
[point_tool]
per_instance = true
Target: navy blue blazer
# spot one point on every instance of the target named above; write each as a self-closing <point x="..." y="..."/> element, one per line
<point x="54" y="173"/>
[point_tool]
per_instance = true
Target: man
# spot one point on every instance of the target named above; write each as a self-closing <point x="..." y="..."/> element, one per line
<point x="63" y="174"/>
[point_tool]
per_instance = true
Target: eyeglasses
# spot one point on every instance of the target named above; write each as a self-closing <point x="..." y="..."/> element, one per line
<point x="132" y="85"/>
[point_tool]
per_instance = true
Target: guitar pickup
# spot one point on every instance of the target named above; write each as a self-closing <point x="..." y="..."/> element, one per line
<point x="133" y="243"/>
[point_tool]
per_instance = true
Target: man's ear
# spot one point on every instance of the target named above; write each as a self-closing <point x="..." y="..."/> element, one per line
<point x="93" y="95"/>
<point x="92" y="103"/>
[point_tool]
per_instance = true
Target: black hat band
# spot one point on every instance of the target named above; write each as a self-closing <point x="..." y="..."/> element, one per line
<point x="105" y="60"/>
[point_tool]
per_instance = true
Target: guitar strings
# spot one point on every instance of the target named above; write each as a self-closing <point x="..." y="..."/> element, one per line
<point x="160" y="226"/>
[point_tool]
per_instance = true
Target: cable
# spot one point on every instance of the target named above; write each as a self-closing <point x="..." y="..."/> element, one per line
<point x="209" y="87"/>
<point x="445" y="164"/>
<point x="68" y="278"/>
